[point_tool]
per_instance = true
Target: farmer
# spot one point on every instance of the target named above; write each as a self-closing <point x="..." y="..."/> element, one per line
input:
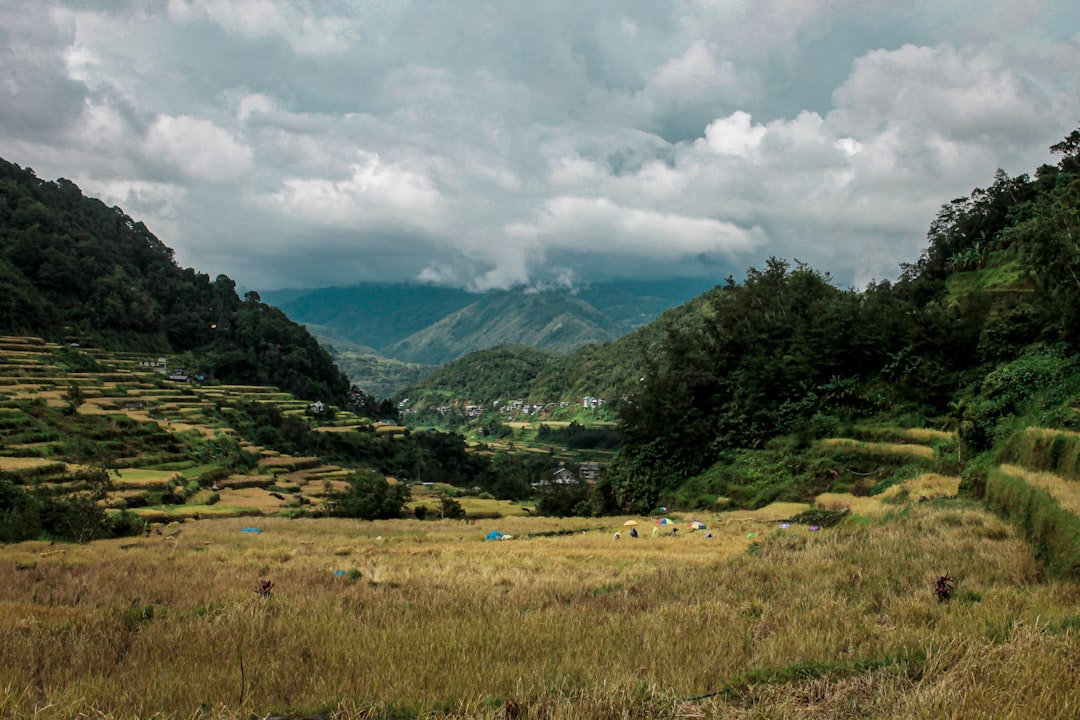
<point x="633" y="532"/>
<point x="616" y="536"/>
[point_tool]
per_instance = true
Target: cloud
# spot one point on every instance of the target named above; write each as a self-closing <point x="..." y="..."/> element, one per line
<point x="309" y="27"/>
<point x="197" y="148"/>
<point x="374" y="191"/>
<point x="304" y="143"/>
<point x="734" y="135"/>
<point x="591" y="224"/>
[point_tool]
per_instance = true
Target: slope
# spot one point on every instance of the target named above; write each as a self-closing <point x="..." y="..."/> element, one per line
<point x="547" y="320"/>
<point x="75" y="270"/>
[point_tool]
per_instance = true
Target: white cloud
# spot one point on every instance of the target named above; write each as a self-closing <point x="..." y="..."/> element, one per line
<point x="734" y="135"/>
<point x="601" y="225"/>
<point x="949" y="92"/>
<point x="374" y="191"/>
<point x="197" y="147"/>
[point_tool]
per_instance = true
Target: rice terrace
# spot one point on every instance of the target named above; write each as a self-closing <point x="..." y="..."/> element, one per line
<point x="910" y="602"/>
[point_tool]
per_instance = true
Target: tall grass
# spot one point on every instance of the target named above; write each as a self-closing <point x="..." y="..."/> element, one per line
<point x="1056" y="451"/>
<point x="426" y="619"/>
<point x="1053" y="531"/>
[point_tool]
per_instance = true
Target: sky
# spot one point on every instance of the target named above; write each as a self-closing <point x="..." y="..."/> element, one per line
<point x="481" y="144"/>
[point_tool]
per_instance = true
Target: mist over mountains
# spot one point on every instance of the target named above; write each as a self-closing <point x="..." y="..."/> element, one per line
<point x="429" y="325"/>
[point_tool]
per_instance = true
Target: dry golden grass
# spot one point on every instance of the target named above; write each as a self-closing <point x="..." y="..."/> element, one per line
<point x="925" y="485"/>
<point x="927" y="435"/>
<point x="21" y="463"/>
<point x="1067" y="493"/>
<point x="438" y="622"/>
<point x="881" y="448"/>
<point x="1050" y="432"/>
<point x="128" y="478"/>
<point x="341" y="428"/>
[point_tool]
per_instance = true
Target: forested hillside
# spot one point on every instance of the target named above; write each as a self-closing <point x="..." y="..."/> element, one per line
<point x="76" y="270"/>
<point x="435" y="325"/>
<point x="980" y="329"/>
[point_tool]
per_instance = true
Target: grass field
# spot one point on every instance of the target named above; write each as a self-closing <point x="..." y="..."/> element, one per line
<point x="427" y="619"/>
<point x="411" y="619"/>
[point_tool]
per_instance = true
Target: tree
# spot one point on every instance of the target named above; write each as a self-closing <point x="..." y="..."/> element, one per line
<point x="369" y="497"/>
<point x="450" y="508"/>
<point x="74" y="397"/>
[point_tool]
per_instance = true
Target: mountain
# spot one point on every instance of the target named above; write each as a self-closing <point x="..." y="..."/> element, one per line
<point x="75" y="270"/>
<point x="546" y="320"/>
<point x="371" y="314"/>
<point x="609" y="370"/>
<point x="368" y="326"/>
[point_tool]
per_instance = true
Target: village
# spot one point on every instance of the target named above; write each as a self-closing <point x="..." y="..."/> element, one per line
<point x="510" y="411"/>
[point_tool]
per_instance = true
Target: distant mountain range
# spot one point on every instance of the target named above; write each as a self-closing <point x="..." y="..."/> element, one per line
<point x="386" y="337"/>
<point x="429" y="325"/>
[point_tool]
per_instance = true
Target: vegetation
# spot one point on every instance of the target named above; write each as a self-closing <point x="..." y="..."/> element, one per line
<point x="831" y="457"/>
<point x="75" y="270"/>
<point x="369" y="497"/>
<point x="74" y="517"/>
<point x="844" y="622"/>
<point x="788" y="353"/>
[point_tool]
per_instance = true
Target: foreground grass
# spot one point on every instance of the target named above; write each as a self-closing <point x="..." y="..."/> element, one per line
<point x="426" y="619"/>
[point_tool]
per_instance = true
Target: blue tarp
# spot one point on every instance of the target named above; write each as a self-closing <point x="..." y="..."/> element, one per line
<point x="494" y="535"/>
<point x="250" y="530"/>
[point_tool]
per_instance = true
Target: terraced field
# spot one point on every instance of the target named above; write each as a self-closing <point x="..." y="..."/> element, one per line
<point x="1036" y="485"/>
<point x="129" y="396"/>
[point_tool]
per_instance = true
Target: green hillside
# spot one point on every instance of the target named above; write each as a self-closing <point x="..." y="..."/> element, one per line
<point x="481" y="378"/>
<point x="76" y="270"/>
<point x="608" y="370"/>
<point x="545" y="320"/>
<point x="784" y="387"/>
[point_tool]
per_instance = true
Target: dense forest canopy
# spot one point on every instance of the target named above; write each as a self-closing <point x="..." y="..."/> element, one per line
<point x="76" y="270"/>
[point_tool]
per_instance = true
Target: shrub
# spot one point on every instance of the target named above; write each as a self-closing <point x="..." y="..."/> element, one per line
<point x="369" y="497"/>
<point x="973" y="482"/>
<point x="1041" y="377"/>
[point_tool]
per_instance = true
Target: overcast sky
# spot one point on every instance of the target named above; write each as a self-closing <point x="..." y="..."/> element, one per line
<point x="307" y="143"/>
